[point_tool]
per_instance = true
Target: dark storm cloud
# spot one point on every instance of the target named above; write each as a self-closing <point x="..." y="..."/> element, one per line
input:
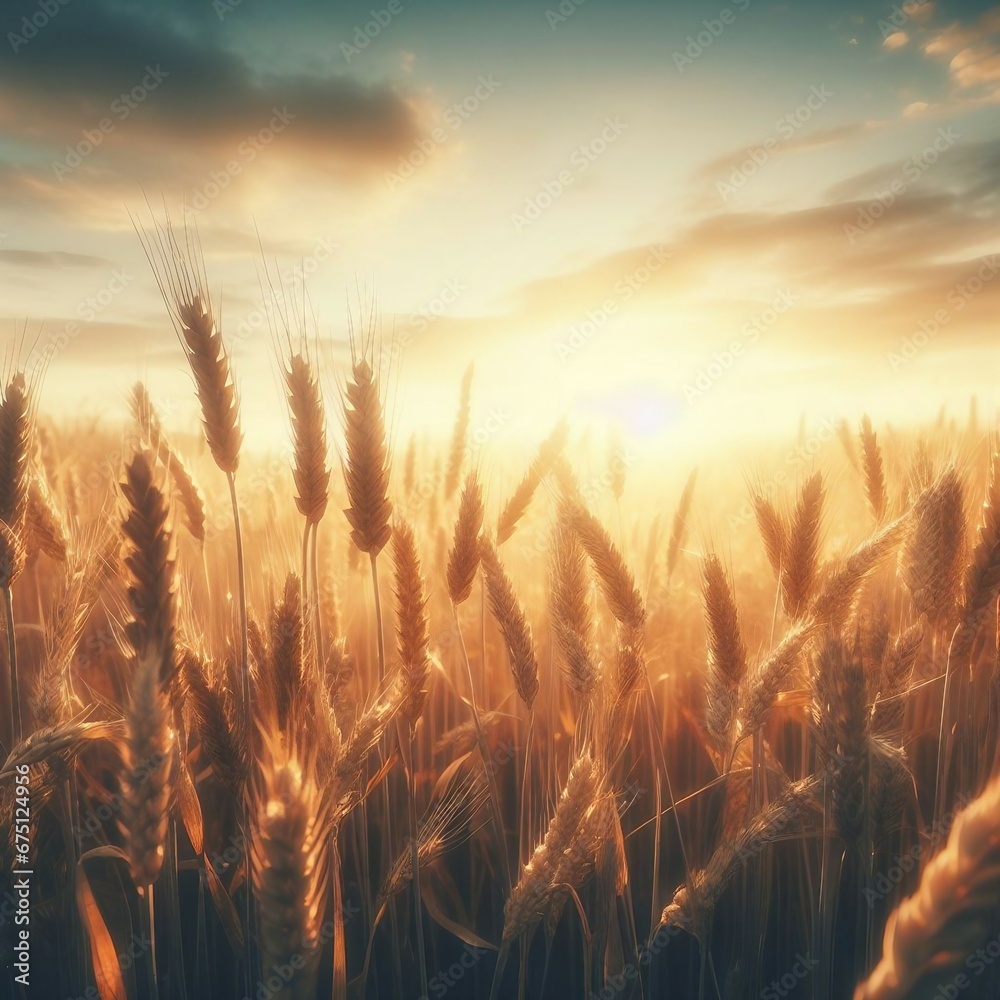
<point x="200" y="95"/>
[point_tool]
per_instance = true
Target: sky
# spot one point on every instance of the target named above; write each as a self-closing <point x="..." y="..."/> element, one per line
<point x="692" y="221"/>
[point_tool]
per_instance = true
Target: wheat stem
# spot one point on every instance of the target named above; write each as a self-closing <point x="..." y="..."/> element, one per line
<point x="378" y="619"/>
<point x="148" y="923"/>
<point x="15" y="697"/>
<point x="484" y="752"/>
<point x="245" y="680"/>
<point x="411" y="780"/>
<point x="317" y="606"/>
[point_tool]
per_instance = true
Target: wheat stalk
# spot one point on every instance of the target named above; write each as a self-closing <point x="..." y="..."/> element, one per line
<point x="147" y="558"/>
<point x="571" y="615"/>
<point x="887" y="716"/>
<point x="773" y="531"/>
<point x="366" y="471"/>
<point x="679" y="527"/>
<point x="411" y="623"/>
<point x="15" y="447"/>
<point x="459" y="436"/>
<point x="563" y="856"/>
<point x="463" y="559"/>
<point x="839" y="690"/>
<point x="935" y="930"/>
<point x="515" y="507"/>
<point x="871" y="454"/>
<point x="513" y="624"/>
<point x="693" y="905"/>
<point x="727" y="653"/>
<point x="617" y="582"/>
<point x="290" y="867"/>
<point x="933" y="563"/>
<point x="836" y="597"/>
<point x="802" y="551"/>
<point x="286" y="662"/>
<point x="187" y="490"/>
<point x="982" y="574"/>
<point x="44" y="528"/>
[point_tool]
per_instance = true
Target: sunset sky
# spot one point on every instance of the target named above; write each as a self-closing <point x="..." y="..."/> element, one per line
<point x="601" y="207"/>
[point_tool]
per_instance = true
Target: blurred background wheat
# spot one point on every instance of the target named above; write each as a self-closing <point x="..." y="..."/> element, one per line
<point x="444" y="722"/>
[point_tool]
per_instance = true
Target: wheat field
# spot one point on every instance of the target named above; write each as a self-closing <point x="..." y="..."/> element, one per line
<point x="400" y="718"/>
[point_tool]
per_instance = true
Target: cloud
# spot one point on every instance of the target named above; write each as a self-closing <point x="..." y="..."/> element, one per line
<point x="855" y="299"/>
<point x="47" y="259"/>
<point x="817" y="139"/>
<point x="973" y="53"/>
<point x="177" y="103"/>
<point x="896" y="40"/>
<point x="976" y="66"/>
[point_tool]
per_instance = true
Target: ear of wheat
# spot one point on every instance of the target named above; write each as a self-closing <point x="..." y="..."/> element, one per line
<point x="148" y="762"/>
<point x="875" y="489"/>
<point x="15" y="449"/>
<point x="841" y="707"/>
<point x="286" y="660"/>
<point x="290" y="867"/>
<point x="366" y="471"/>
<point x="215" y="723"/>
<point x="679" y="527"/>
<point x="837" y="596"/>
<point x="445" y="824"/>
<point x="933" y="564"/>
<point x="185" y="487"/>
<point x="463" y="560"/>
<point x="762" y="683"/>
<point x="513" y="624"/>
<point x="617" y="582"/>
<point x="571" y="615"/>
<point x="982" y="575"/>
<point x="887" y="717"/>
<point x="44" y="528"/>
<point x="180" y="274"/>
<point x="514" y="509"/>
<point x="930" y="934"/>
<point x="846" y="437"/>
<point x="147" y="557"/>
<point x="693" y="905"/>
<point x="802" y="551"/>
<point x="567" y="851"/>
<point x="83" y="578"/>
<point x="459" y="436"/>
<point x="773" y="531"/>
<point x="309" y="469"/>
<point x="411" y="622"/>
<point x="727" y="654"/>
